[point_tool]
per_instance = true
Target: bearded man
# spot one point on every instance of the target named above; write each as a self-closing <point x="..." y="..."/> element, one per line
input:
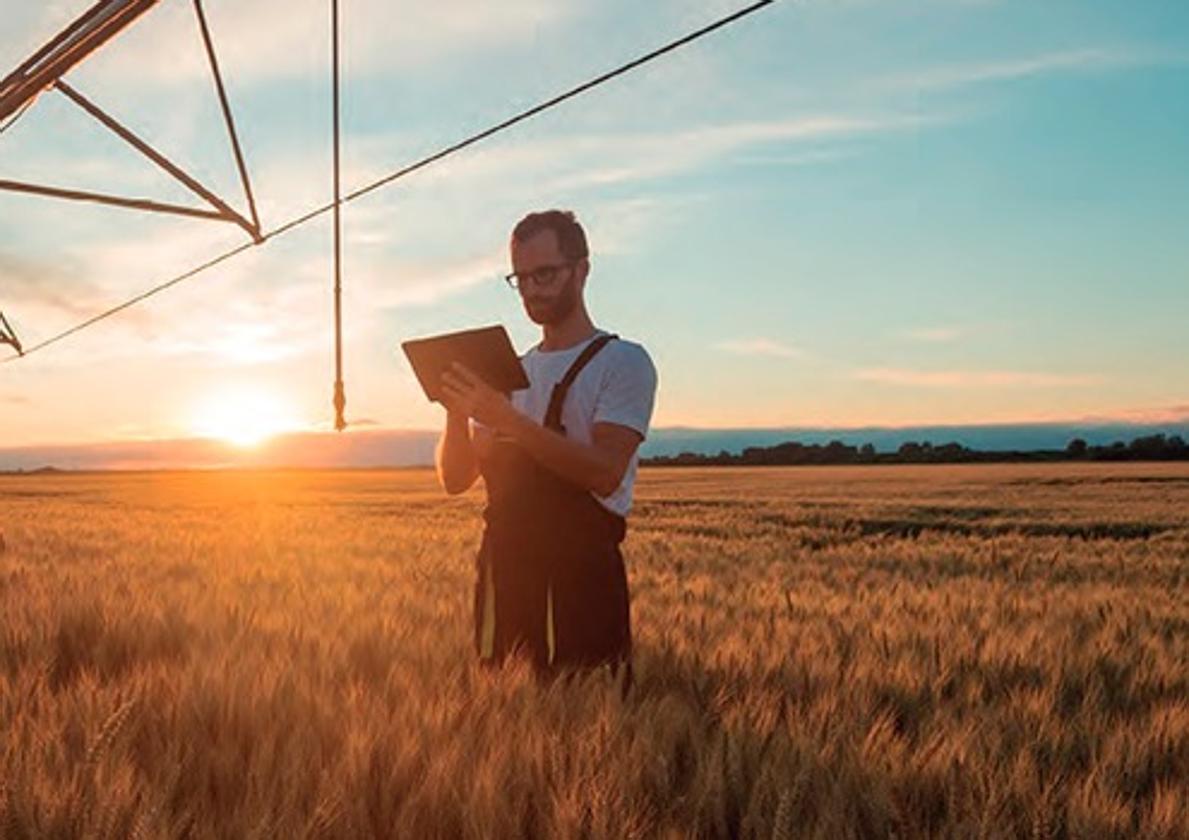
<point x="559" y="461"/>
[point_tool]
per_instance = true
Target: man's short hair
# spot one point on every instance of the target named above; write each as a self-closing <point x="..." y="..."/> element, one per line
<point x="571" y="238"/>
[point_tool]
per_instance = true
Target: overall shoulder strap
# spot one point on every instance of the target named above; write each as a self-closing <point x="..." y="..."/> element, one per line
<point x="558" y="397"/>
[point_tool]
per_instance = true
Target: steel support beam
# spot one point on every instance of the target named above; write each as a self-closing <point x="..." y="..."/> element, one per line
<point x="227" y="118"/>
<point x="8" y="335"/>
<point x="87" y="33"/>
<point x="225" y="210"/>
<point x="111" y="200"/>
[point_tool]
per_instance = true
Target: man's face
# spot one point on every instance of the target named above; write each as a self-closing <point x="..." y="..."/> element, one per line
<point x="553" y="302"/>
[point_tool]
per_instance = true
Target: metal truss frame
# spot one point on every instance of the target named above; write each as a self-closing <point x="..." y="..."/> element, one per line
<point x="44" y="71"/>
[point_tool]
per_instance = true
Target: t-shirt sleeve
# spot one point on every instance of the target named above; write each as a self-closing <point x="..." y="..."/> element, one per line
<point x="628" y="393"/>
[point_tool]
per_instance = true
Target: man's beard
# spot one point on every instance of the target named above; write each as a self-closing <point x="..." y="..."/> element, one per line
<point x="555" y="310"/>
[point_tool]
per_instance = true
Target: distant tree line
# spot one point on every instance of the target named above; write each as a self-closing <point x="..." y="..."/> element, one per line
<point x="1148" y="448"/>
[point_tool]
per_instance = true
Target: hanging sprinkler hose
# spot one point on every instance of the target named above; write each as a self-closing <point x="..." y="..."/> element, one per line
<point x="340" y="397"/>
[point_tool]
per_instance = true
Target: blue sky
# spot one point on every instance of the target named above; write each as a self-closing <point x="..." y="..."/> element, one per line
<point x="836" y="213"/>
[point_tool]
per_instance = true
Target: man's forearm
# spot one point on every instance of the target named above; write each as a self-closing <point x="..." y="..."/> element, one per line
<point x="455" y="456"/>
<point x="583" y="464"/>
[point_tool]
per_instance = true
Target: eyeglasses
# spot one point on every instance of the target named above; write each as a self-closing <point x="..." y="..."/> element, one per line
<point x="543" y="277"/>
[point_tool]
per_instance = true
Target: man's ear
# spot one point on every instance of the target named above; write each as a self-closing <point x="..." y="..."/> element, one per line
<point x="583" y="269"/>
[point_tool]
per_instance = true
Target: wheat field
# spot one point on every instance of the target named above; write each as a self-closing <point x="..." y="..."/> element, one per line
<point x="975" y="651"/>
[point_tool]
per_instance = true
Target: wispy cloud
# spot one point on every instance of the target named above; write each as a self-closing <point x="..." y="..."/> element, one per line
<point x="760" y="347"/>
<point x="44" y="285"/>
<point x="428" y="283"/>
<point x="973" y="378"/>
<point x="241" y="342"/>
<point x="1149" y="415"/>
<point x="798" y="159"/>
<point x="1067" y="61"/>
<point x="564" y="165"/>
<point x="266" y="40"/>
<point x="933" y="335"/>
<point x="601" y="161"/>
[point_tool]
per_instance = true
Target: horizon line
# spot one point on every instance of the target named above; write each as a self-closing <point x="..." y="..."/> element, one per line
<point x="1176" y="416"/>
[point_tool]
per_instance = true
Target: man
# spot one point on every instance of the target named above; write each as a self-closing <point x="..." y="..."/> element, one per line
<point x="559" y="462"/>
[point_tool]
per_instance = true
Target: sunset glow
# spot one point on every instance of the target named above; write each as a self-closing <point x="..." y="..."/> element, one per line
<point x="969" y="214"/>
<point x="244" y="416"/>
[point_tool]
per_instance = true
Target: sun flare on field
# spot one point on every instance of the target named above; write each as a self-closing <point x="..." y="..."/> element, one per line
<point x="244" y="416"/>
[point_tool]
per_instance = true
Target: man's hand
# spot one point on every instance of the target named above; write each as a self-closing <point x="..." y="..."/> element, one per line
<point x="598" y="466"/>
<point x="465" y="393"/>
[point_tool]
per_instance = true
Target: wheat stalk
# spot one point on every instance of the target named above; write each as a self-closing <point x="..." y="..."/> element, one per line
<point x="109" y="732"/>
<point x="782" y="823"/>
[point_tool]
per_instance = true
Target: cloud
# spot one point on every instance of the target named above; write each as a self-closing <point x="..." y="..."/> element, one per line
<point x="626" y="226"/>
<point x="427" y="283"/>
<point x="972" y="378"/>
<point x="269" y="40"/>
<point x="1144" y="415"/>
<point x="369" y="447"/>
<point x="760" y="347"/>
<point x="244" y="341"/>
<point x="60" y="287"/>
<point x="561" y="165"/>
<point x="933" y="335"/>
<point x="229" y="314"/>
<point x="603" y="161"/>
<point x="566" y="163"/>
<point x="799" y="159"/>
<point x="1069" y="61"/>
<point x="240" y="325"/>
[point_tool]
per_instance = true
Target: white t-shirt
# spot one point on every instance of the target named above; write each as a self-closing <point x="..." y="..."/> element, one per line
<point x="617" y="386"/>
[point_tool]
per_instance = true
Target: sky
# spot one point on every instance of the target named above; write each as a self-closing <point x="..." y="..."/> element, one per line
<point x="842" y="213"/>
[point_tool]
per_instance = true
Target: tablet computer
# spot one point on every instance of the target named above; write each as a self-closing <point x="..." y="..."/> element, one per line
<point x="486" y="351"/>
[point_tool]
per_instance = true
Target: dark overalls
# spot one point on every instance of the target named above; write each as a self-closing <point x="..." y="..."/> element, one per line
<point x="551" y="579"/>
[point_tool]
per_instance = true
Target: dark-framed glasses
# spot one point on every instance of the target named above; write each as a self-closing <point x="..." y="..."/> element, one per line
<point x="543" y="277"/>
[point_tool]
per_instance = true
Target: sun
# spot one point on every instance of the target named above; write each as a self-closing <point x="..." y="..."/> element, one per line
<point x="243" y="416"/>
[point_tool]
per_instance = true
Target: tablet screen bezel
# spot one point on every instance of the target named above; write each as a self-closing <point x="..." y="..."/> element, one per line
<point x="487" y="351"/>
